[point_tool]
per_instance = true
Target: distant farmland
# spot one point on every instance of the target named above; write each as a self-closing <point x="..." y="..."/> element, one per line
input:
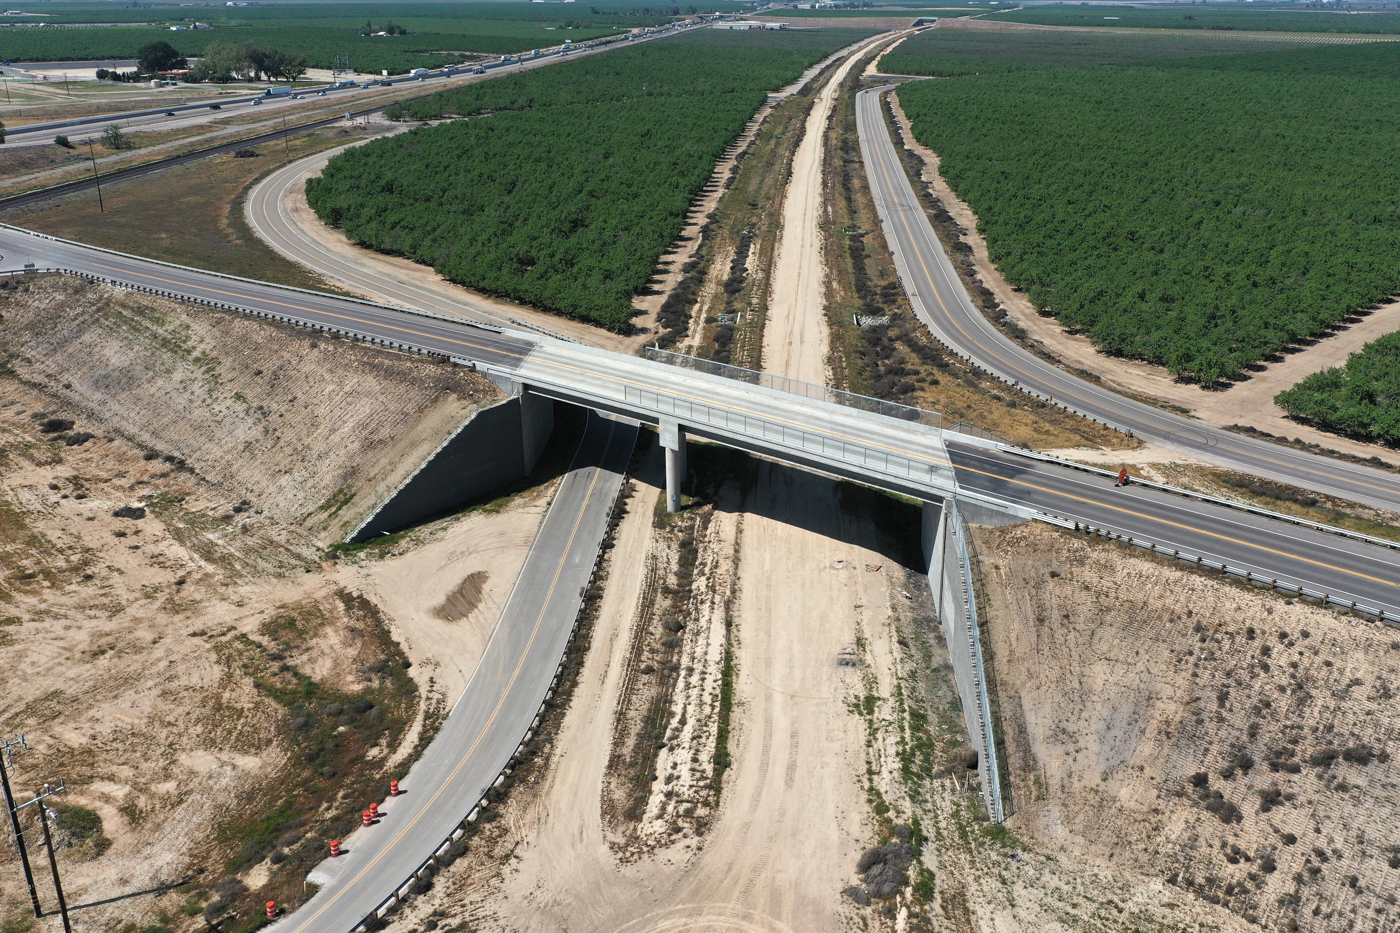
<point x="567" y="194"/>
<point x="436" y="33"/>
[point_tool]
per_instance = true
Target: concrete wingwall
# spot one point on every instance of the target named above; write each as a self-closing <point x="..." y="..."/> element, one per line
<point x="950" y="579"/>
<point x="496" y="446"/>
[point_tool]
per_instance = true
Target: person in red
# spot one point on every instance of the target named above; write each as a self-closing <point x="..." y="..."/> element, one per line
<point x="1122" y="477"/>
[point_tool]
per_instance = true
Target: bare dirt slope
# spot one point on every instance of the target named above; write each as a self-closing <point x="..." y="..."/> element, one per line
<point x="1207" y="737"/>
<point x="1250" y="402"/>
<point x="96" y="349"/>
<point x="143" y="652"/>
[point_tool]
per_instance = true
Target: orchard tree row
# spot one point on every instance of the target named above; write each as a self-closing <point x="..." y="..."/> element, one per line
<point x="571" y="182"/>
<point x="1202" y="214"/>
<point x="1361" y="398"/>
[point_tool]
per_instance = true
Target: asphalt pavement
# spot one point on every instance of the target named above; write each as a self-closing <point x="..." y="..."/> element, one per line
<point x="490" y="719"/>
<point x="1269" y="548"/>
<point x="943" y="304"/>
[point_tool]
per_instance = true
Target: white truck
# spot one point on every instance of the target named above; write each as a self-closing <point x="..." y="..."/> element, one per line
<point x="418" y="73"/>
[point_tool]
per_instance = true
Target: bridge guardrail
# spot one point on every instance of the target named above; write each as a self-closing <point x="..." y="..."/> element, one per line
<point x="793" y="438"/>
<point x="810" y="390"/>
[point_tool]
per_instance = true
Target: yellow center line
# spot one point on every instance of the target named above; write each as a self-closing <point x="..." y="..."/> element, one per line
<point x="769" y="417"/>
<point x="1012" y="365"/>
<point x="500" y="703"/>
<point x="1184" y="527"/>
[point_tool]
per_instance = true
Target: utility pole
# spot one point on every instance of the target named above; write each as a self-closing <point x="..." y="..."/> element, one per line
<point x="286" y="145"/>
<point x="9" y="749"/>
<point x="44" y="814"/>
<point x="96" y="177"/>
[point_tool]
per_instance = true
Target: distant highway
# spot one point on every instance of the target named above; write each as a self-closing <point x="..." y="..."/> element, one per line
<point x="156" y="115"/>
<point x="942" y="303"/>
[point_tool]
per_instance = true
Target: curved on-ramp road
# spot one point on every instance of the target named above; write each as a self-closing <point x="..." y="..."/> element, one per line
<point x="492" y="716"/>
<point x="942" y="303"/>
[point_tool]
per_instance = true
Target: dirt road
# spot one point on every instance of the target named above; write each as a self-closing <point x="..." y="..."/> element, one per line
<point x="792" y="818"/>
<point x="794" y="337"/>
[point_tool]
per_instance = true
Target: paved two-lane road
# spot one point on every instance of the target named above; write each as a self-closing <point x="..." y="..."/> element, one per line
<point x="500" y="701"/>
<point x="942" y="303"/>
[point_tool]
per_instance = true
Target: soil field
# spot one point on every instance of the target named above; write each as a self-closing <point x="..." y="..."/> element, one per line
<point x="1231" y="745"/>
<point x="174" y="643"/>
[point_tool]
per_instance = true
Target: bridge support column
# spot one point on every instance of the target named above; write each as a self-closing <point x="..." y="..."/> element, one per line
<point x="673" y="439"/>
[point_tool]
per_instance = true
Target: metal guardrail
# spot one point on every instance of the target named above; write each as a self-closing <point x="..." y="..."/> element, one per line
<point x="430" y="865"/>
<point x="1296" y="590"/>
<point x="1206" y="497"/>
<point x="968" y="429"/>
<point x="810" y="390"/>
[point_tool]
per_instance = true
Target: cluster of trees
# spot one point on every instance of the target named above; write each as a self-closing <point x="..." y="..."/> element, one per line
<point x="391" y="29"/>
<point x="1202" y="214"/>
<point x="1360" y="398"/>
<point x="567" y="194"/>
<point x="224" y="62"/>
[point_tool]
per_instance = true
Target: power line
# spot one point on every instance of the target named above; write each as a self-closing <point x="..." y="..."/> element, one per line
<point x="8" y="750"/>
<point x="45" y="814"/>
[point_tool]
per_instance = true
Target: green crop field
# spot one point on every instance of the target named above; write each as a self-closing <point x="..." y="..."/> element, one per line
<point x="1361" y="398"/>
<point x="1234" y="17"/>
<point x="944" y="53"/>
<point x="436" y="32"/>
<point x="1202" y="214"/>
<point x="574" y="179"/>
<point x="910" y="13"/>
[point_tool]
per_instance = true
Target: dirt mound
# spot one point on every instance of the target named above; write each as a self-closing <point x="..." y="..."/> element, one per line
<point x="306" y="429"/>
<point x="1216" y="737"/>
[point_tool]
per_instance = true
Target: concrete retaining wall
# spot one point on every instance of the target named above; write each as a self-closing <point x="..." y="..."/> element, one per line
<point x="949" y="577"/>
<point x="496" y="446"/>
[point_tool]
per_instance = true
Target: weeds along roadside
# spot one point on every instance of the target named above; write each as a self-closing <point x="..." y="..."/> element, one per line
<point x="926" y="819"/>
<point x="728" y="287"/>
<point x="878" y="346"/>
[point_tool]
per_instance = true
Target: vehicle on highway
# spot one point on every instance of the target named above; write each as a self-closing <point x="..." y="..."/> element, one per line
<point x="478" y="70"/>
<point x="418" y="73"/>
<point x="277" y="92"/>
<point x="256" y="101"/>
<point x="299" y="97"/>
<point x="506" y="59"/>
<point x="215" y="107"/>
<point x="386" y="84"/>
<point x="170" y="113"/>
<point x="345" y="82"/>
<point x="320" y="93"/>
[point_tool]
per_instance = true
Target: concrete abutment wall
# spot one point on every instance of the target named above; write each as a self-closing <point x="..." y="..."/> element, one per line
<point x="950" y="579"/>
<point x="496" y="446"/>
